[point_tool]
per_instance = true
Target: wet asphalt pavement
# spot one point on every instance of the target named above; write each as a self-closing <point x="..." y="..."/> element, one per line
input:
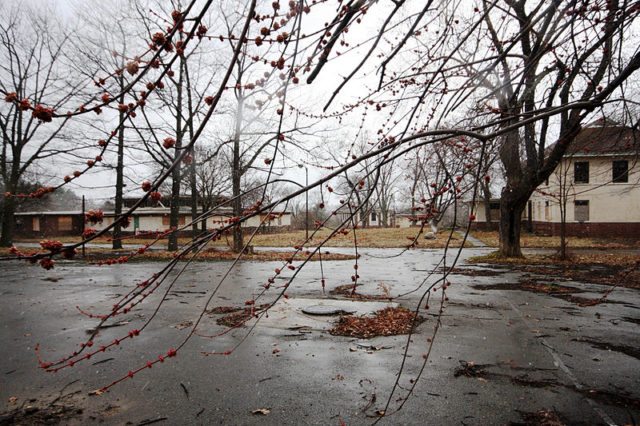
<point x="498" y="355"/>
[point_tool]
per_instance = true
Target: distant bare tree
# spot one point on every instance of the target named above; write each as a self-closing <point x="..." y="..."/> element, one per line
<point x="34" y="84"/>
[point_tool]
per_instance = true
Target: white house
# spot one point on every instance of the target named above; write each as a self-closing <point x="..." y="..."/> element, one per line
<point x="598" y="181"/>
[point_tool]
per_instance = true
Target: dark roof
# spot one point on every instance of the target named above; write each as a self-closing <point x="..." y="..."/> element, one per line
<point x="598" y="139"/>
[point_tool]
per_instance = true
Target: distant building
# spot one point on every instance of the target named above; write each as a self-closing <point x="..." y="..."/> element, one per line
<point x="40" y="224"/>
<point x="144" y="219"/>
<point x="373" y="218"/>
<point x="599" y="177"/>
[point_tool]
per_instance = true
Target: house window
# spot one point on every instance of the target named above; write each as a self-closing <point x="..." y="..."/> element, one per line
<point x="620" y="171"/>
<point x="373" y="217"/>
<point x="581" y="212"/>
<point x="36" y="224"/>
<point x="166" y="220"/>
<point x="539" y="210"/>
<point x="547" y="216"/>
<point x="494" y="209"/>
<point x="581" y="172"/>
<point x="64" y="224"/>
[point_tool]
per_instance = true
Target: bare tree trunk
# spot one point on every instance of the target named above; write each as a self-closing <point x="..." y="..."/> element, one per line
<point x="175" y="208"/>
<point x="562" y="202"/>
<point x="205" y="208"/>
<point x="8" y="222"/>
<point x="486" y="195"/>
<point x="510" y="221"/>
<point x="194" y="198"/>
<point x="177" y="171"/>
<point x="8" y="219"/>
<point x="236" y="176"/>
<point x="511" y="204"/>
<point x="193" y="183"/>
<point x="563" y="230"/>
<point x="364" y="216"/>
<point x="117" y="230"/>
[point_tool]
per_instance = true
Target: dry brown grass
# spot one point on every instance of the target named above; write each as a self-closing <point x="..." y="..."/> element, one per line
<point x="370" y="237"/>
<point x="610" y="259"/>
<point x="215" y="254"/>
<point x="208" y="254"/>
<point x="528" y="240"/>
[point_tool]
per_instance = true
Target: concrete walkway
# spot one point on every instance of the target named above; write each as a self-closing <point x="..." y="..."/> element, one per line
<point x="476" y="242"/>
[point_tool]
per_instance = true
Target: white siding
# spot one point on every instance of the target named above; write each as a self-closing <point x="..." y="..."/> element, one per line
<point x="608" y="201"/>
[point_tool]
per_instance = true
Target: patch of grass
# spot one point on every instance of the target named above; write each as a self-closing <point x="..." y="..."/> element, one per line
<point x="609" y="259"/>
<point x="552" y="287"/>
<point x="369" y="237"/>
<point x="528" y="240"/>
<point x="495" y="257"/>
<point x="216" y="254"/>
<point x="211" y="254"/>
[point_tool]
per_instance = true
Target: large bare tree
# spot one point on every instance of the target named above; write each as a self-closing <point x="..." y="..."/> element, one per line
<point x="34" y="84"/>
<point x="565" y="60"/>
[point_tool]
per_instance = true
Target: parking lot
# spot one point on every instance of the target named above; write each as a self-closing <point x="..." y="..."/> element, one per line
<point x="503" y="353"/>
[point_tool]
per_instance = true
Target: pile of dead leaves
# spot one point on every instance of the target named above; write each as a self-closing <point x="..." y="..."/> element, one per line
<point x="469" y="369"/>
<point x="349" y="290"/>
<point x="385" y="322"/>
<point x="542" y="417"/>
<point x="236" y="316"/>
<point x="53" y="414"/>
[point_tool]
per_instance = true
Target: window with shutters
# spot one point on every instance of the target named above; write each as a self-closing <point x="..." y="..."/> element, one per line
<point x="581" y="211"/>
<point x="166" y="220"/>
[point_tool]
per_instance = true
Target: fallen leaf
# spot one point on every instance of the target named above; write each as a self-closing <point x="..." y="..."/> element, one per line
<point x="379" y="412"/>
<point x="184" y="325"/>
<point x="96" y="392"/>
<point x="13" y="399"/>
<point x="353" y="349"/>
<point x="261" y="412"/>
<point x="482" y="379"/>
